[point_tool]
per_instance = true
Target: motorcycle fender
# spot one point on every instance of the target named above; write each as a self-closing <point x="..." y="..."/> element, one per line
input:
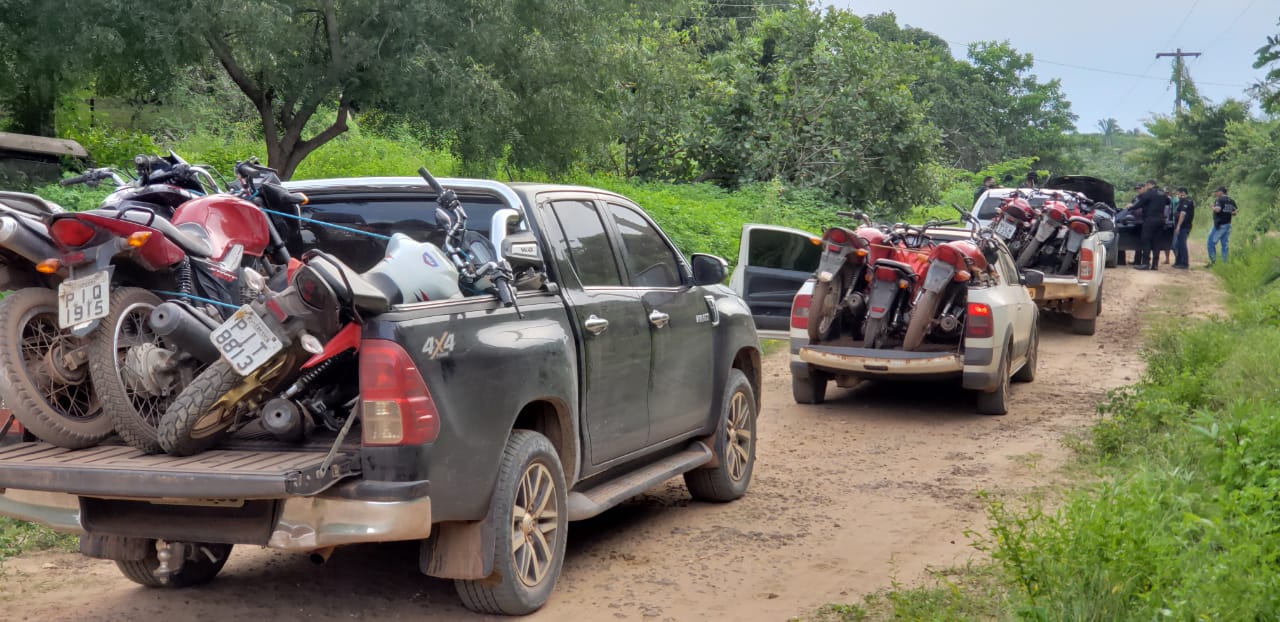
<point x="1073" y="242"/>
<point x="831" y="263"/>
<point x="347" y="339"/>
<point x="882" y="295"/>
<point x="1045" y="231"/>
<point x="939" y="275"/>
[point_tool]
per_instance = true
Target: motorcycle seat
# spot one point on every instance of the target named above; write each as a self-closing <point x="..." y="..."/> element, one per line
<point x="28" y="204"/>
<point x="904" y="268"/>
<point x="189" y="236"/>
<point x="374" y="293"/>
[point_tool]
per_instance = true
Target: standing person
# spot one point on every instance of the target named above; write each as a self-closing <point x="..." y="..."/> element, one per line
<point x="1166" y="217"/>
<point x="988" y="183"/>
<point x="1182" y="228"/>
<point x="1151" y="203"/>
<point x="1224" y="209"/>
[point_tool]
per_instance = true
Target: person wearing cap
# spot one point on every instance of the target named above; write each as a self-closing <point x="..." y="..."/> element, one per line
<point x="1182" y="228"/>
<point x="1151" y="203"/>
<point x="1224" y="209"/>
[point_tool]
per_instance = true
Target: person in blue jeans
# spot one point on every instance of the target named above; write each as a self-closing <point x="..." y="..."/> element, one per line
<point x="1224" y="209"/>
<point x="1182" y="228"/>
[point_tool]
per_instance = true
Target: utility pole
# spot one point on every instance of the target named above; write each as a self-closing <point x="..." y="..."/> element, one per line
<point x="1177" y="74"/>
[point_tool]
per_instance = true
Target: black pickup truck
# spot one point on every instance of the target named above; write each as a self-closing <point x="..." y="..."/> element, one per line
<point x="481" y="431"/>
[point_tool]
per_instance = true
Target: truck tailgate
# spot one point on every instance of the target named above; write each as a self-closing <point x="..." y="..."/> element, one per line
<point x="122" y="471"/>
<point x="883" y="362"/>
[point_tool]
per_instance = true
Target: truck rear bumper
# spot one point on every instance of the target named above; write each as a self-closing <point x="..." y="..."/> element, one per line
<point x="302" y="523"/>
<point x="871" y="363"/>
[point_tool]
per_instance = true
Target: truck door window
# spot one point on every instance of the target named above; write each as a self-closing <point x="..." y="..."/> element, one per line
<point x="648" y="259"/>
<point x="589" y="249"/>
<point x="781" y="250"/>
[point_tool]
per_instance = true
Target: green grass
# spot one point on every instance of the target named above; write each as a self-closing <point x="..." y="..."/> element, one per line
<point x="18" y="537"/>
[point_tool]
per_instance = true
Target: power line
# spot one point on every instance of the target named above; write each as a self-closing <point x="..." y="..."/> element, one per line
<point x="1111" y="71"/>
<point x="1181" y="24"/>
<point x="1222" y="34"/>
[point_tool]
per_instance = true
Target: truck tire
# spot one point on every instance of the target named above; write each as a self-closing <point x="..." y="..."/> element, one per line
<point x="1088" y="326"/>
<point x="735" y="446"/>
<point x="180" y="433"/>
<point x="997" y="402"/>
<point x="1113" y="254"/>
<point x="122" y="351"/>
<point x="204" y="562"/>
<point x="811" y="389"/>
<point x="1028" y="371"/>
<point x="817" y="315"/>
<point x="59" y="406"/>
<point x="921" y="317"/>
<point x="530" y="483"/>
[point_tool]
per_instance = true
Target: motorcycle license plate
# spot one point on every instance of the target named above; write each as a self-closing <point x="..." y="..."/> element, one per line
<point x="245" y="341"/>
<point x="1006" y="229"/>
<point x="84" y="299"/>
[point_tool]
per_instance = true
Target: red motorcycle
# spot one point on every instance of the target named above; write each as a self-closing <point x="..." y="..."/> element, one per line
<point x="1053" y="218"/>
<point x="897" y="264"/>
<point x="1080" y="226"/>
<point x="941" y="301"/>
<point x="840" y="291"/>
<point x="1014" y="223"/>
<point x="120" y="262"/>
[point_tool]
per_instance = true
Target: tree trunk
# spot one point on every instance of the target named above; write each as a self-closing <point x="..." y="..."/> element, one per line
<point x="285" y="154"/>
<point x="33" y="109"/>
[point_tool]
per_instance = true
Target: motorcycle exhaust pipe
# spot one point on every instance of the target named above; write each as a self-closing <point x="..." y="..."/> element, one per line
<point x="25" y="242"/>
<point x="286" y="421"/>
<point x="185" y="329"/>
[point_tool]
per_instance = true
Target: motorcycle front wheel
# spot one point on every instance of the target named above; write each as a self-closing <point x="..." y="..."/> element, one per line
<point x="921" y="317"/>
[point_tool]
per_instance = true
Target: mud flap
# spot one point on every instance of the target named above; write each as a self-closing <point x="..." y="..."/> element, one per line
<point x="458" y="550"/>
<point x="882" y="294"/>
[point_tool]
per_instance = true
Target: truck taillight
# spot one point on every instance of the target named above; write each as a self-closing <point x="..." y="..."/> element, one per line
<point x="395" y="406"/>
<point x="1086" y="264"/>
<point x="800" y="311"/>
<point x="979" y="323"/>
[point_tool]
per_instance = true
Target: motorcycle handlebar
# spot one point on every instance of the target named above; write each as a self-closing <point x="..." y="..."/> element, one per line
<point x="78" y="179"/>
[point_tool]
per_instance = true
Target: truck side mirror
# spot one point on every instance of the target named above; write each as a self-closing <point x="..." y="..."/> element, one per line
<point x="520" y="249"/>
<point x="1031" y="278"/>
<point x="708" y="269"/>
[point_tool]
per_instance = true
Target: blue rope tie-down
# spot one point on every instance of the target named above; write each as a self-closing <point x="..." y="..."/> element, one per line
<point x="196" y="298"/>
<point x="378" y="236"/>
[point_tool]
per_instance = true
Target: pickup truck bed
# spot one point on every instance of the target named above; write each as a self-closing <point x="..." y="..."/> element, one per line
<point x="120" y="470"/>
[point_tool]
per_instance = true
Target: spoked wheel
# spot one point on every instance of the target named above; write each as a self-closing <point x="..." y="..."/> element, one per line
<point x="138" y="373"/>
<point x="45" y="376"/>
<point x="822" y="314"/>
<point x="529" y="518"/>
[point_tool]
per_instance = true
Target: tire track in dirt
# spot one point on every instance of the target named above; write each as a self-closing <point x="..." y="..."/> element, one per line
<point x="879" y="483"/>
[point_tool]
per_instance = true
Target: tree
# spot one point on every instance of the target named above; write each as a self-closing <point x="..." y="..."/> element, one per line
<point x="1268" y="89"/>
<point x="818" y="100"/>
<point x="1109" y="127"/>
<point x="1183" y="150"/>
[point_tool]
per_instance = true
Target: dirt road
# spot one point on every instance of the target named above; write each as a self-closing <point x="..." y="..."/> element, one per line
<point x="877" y="484"/>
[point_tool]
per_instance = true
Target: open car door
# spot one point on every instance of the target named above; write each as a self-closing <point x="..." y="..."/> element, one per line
<point x="773" y="262"/>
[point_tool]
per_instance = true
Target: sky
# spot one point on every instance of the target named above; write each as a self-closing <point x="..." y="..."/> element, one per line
<point x="1116" y="36"/>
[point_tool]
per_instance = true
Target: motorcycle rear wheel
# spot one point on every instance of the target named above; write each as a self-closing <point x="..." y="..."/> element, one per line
<point x="191" y="424"/>
<point x="1029" y="253"/>
<point x="56" y="404"/>
<point x="921" y="317"/>
<point x="874" y="332"/>
<point x="824" y="304"/>
<point x="124" y="360"/>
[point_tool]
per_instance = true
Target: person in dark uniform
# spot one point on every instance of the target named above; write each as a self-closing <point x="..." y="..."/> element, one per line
<point x="1182" y="229"/>
<point x="1132" y="216"/>
<point x="1151" y="203"/>
<point x="988" y="183"/>
<point x="1224" y="209"/>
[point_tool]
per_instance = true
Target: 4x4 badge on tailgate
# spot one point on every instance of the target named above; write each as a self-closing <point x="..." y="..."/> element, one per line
<point x="438" y="347"/>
